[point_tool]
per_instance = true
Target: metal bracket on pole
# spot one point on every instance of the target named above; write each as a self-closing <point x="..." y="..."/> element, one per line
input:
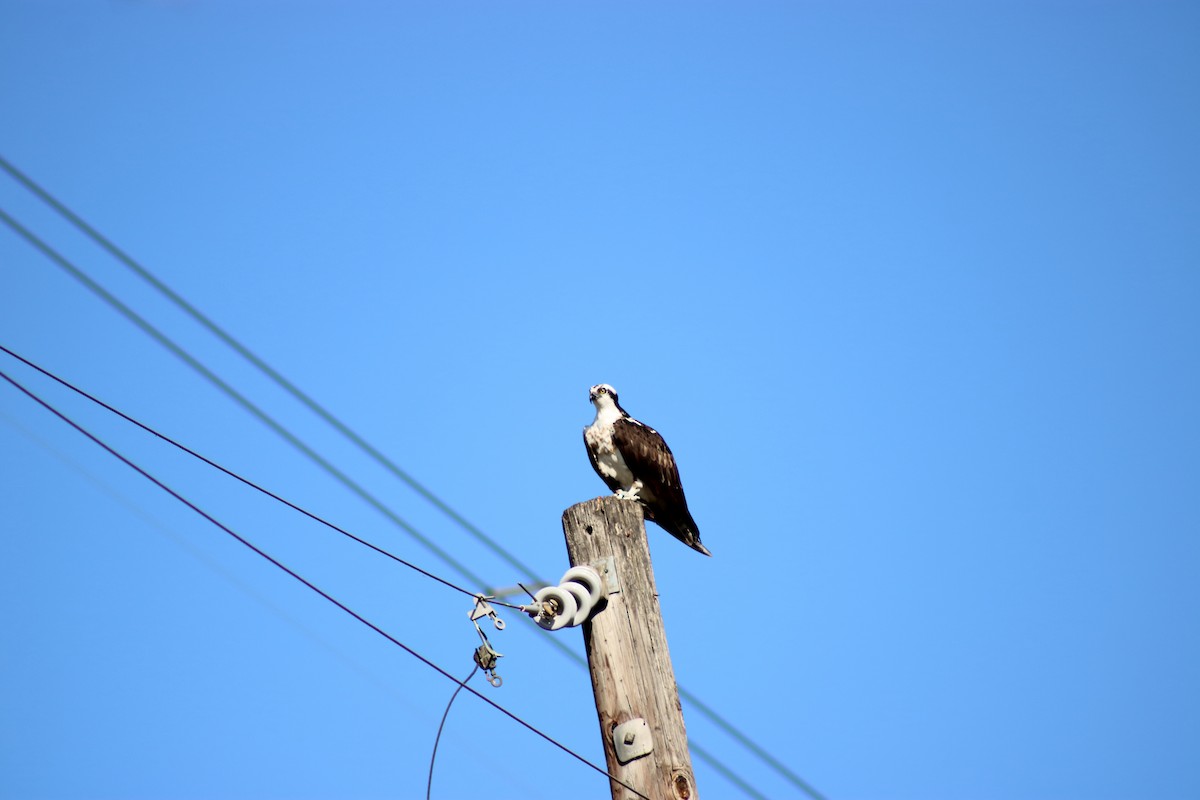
<point x="607" y="569"/>
<point x="631" y="739"/>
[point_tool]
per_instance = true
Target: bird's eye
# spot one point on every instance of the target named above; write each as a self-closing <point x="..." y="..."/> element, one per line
<point x="603" y="391"/>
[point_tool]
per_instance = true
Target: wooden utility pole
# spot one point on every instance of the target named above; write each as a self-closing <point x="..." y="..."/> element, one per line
<point x="627" y="654"/>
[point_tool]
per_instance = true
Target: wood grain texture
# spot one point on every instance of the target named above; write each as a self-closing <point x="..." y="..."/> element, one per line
<point x="627" y="652"/>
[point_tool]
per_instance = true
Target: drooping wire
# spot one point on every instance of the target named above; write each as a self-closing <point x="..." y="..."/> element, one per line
<point x="162" y="436"/>
<point x="690" y="697"/>
<point x="442" y="724"/>
<point x="260" y="552"/>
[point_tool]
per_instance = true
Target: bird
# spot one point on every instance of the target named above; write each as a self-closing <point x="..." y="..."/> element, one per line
<point x="634" y="461"/>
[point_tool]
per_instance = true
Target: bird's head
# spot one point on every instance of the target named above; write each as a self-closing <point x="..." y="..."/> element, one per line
<point x="603" y="396"/>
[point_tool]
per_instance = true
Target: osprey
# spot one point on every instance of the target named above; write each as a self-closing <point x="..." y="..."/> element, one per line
<point x="636" y="463"/>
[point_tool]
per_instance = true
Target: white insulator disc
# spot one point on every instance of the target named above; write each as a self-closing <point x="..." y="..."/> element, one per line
<point x="582" y="599"/>
<point x="589" y="579"/>
<point x="565" y="614"/>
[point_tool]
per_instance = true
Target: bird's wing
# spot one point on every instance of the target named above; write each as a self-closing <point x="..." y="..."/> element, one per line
<point x="650" y="460"/>
<point x="648" y="457"/>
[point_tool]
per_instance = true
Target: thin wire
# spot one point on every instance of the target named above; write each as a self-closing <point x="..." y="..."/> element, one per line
<point x="442" y="724"/>
<point x="309" y="584"/>
<point x="749" y="744"/>
<point x="63" y="382"/>
<point x="262" y="416"/>
<point x="265" y="368"/>
<point x="144" y="273"/>
<point x="725" y="771"/>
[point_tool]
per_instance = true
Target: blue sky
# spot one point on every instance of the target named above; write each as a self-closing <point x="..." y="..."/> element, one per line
<point x="912" y="290"/>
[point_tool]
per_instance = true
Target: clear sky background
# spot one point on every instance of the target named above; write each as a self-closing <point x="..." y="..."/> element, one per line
<point x="912" y="289"/>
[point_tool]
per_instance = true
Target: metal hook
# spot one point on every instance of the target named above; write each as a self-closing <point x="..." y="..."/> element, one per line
<point x="484" y="609"/>
<point x="486" y="658"/>
<point x="485" y="655"/>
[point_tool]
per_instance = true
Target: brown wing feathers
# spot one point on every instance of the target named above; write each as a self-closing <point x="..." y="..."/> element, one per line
<point x="649" y="458"/>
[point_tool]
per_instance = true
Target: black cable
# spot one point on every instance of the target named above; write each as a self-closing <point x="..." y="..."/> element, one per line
<point x="309" y="584"/>
<point x="246" y="481"/>
<point x="391" y="466"/>
<point x="240" y="399"/>
<point x="442" y="724"/>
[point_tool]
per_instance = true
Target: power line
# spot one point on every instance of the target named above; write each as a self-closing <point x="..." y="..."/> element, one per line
<point x="706" y="710"/>
<point x="261" y="365"/>
<point x="258" y="551"/>
<point x="236" y="476"/>
<point x="239" y="398"/>
<point x="725" y="771"/>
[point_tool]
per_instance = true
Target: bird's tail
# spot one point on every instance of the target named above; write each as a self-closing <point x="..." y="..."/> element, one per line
<point x="684" y="529"/>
